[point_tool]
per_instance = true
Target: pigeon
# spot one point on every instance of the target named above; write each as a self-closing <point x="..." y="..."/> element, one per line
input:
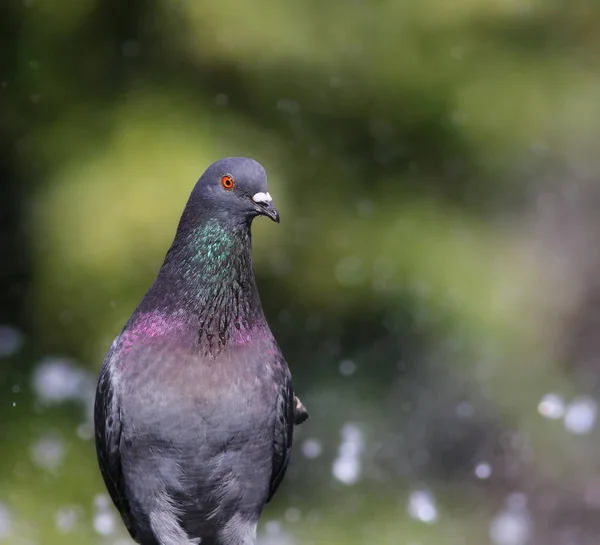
<point x="195" y="411"/>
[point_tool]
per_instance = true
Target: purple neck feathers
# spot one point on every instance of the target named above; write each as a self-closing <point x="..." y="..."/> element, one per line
<point x="205" y="292"/>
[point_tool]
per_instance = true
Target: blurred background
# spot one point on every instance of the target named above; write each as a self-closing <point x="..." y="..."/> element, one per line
<point x="434" y="281"/>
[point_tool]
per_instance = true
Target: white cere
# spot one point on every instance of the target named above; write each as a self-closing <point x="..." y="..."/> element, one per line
<point x="262" y="197"/>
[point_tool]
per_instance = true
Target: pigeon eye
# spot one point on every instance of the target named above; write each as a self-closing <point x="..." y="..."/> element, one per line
<point x="227" y="182"/>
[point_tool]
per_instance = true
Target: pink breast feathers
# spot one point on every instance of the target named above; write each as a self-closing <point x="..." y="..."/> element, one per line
<point x="153" y="327"/>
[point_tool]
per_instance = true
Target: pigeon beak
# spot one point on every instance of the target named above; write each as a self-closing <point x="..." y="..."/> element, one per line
<point x="263" y="205"/>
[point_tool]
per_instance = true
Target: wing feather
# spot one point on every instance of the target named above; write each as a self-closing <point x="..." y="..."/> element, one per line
<point x="107" y="420"/>
<point x="289" y="412"/>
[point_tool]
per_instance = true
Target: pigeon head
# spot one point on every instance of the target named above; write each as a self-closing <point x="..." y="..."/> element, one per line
<point x="235" y="188"/>
<point x="208" y="270"/>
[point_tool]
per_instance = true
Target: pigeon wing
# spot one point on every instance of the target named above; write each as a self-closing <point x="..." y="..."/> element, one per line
<point x="107" y="420"/>
<point x="289" y="411"/>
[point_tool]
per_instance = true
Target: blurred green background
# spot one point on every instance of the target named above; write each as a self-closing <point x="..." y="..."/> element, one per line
<point x="434" y="281"/>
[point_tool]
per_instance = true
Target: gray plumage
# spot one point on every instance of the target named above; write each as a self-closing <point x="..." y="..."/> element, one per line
<point x="195" y="408"/>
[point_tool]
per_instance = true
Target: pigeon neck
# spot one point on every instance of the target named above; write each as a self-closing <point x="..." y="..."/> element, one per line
<point x="208" y="274"/>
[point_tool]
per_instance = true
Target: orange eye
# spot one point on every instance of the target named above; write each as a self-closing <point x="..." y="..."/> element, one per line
<point x="227" y="182"/>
